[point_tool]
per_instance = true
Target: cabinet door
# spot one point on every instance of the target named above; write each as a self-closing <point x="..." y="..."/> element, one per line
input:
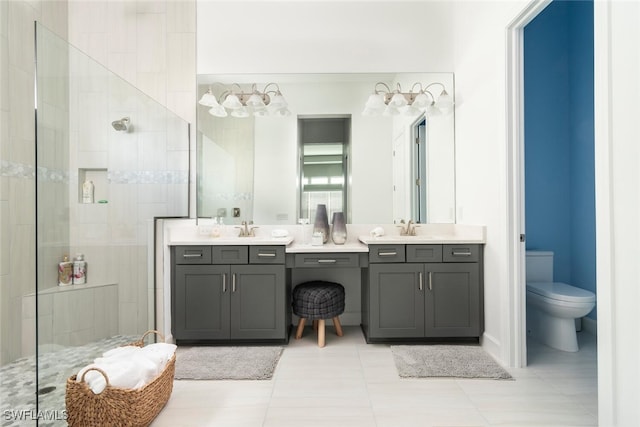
<point x="452" y="300"/>
<point x="258" y="302"/>
<point x="396" y="301"/>
<point x="201" y="302"/>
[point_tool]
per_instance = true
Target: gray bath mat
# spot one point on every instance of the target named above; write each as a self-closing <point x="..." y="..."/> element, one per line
<point x="226" y="363"/>
<point x="456" y="361"/>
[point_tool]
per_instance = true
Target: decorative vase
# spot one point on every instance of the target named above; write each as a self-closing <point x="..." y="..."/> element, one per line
<point x="339" y="230"/>
<point x="321" y="224"/>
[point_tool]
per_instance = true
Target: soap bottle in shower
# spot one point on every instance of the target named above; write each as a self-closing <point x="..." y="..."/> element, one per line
<point x="87" y="192"/>
<point x="65" y="272"/>
<point x="79" y="270"/>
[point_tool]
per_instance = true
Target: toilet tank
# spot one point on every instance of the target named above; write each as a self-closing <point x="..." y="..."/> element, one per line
<point x="539" y="266"/>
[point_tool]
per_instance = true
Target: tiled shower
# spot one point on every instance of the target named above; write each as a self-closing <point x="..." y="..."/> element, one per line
<point x="139" y="174"/>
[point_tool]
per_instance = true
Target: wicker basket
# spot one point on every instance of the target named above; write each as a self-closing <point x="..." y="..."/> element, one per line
<point x="119" y="406"/>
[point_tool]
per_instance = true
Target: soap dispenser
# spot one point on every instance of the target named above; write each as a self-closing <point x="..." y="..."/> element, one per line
<point x="65" y="272"/>
<point x="79" y="270"/>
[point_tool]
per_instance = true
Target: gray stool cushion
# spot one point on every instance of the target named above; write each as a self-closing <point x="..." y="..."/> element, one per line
<point x="318" y="300"/>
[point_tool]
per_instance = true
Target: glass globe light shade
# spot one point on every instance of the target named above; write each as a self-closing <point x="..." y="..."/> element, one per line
<point x="421" y="101"/>
<point x="208" y="100"/>
<point x="232" y="102"/>
<point x="278" y="102"/>
<point x="218" y="111"/>
<point x="241" y="112"/>
<point x="375" y="102"/>
<point x="445" y="101"/>
<point x="255" y="101"/>
<point x="398" y="100"/>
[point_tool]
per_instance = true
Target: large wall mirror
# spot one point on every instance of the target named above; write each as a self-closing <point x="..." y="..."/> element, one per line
<point x="251" y="168"/>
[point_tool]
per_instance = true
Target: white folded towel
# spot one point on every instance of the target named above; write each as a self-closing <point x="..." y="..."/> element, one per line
<point x="377" y="232"/>
<point x="130" y="367"/>
<point x="122" y="374"/>
<point x="279" y="233"/>
<point x="124" y="351"/>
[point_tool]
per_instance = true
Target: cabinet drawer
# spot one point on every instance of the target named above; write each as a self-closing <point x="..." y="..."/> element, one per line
<point x="461" y="253"/>
<point x="193" y="254"/>
<point x="266" y="254"/>
<point x="386" y="253"/>
<point x="424" y="253"/>
<point x="229" y="254"/>
<point x="330" y="260"/>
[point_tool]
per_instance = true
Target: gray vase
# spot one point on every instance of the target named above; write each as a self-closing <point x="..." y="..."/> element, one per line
<point x="339" y="229"/>
<point x="321" y="224"/>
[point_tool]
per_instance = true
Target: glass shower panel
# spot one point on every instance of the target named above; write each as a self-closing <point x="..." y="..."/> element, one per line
<point x="109" y="160"/>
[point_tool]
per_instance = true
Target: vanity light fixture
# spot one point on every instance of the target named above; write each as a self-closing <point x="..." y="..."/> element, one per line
<point x="238" y="103"/>
<point x="384" y="101"/>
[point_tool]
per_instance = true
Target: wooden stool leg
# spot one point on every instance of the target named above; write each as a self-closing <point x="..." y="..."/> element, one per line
<point x="315" y="326"/>
<point x="300" y="328"/>
<point x="321" y="333"/>
<point x="338" y="326"/>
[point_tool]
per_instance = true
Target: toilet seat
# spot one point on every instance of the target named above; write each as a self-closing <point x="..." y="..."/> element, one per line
<point x="561" y="292"/>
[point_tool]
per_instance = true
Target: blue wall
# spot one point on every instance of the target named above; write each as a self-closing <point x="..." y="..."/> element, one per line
<point x="559" y="139"/>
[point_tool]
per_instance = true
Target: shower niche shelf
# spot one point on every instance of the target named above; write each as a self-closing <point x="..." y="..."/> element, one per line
<point x="100" y="180"/>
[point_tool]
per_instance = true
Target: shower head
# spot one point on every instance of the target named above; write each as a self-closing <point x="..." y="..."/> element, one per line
<point x="121" y="125"/>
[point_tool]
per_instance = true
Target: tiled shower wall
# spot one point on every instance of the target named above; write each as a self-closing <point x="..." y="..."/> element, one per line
<point x="17" y="160"/>
<point x="150" y="44"/>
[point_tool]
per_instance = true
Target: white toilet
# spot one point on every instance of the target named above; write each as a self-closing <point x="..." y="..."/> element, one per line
<point x="553" y="307"/>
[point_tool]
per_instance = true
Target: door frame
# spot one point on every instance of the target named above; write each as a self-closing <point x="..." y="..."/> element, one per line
<point x="517" y="351"/>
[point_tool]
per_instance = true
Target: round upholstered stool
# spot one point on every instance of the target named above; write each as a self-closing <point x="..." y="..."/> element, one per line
<point x="318" y="301"/>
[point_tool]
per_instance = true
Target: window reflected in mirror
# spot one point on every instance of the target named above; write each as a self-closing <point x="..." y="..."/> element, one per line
<point x="324" y="171"/>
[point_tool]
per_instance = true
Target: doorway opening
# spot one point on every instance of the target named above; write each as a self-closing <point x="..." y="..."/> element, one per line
<point x="419" y="163"/>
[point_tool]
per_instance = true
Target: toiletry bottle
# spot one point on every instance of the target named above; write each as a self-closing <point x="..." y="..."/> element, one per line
<point x="79" y="270"/>
<point x="87" y="192"/>
<point x="65" y="272"/>
<point x="215" y="230"/>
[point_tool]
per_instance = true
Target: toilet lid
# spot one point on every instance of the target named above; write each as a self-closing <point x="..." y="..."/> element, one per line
<point x="561" y="291"/>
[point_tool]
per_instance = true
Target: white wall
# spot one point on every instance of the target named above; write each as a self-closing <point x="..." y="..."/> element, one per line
<point x="481" y="149"/>
<point x="321" y="37"/>
<point x="482" y="160"/>
<point x="617" y="71"/>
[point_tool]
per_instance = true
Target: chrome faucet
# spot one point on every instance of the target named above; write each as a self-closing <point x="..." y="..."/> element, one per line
<point x="245" y="230"/>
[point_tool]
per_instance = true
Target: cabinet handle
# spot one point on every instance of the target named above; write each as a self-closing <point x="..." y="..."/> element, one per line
<point x="266" y="255"/>
<point x="224" y="283"/>
<point x="199" y="255"/>
<point x="461" y="253"/>
<point x="394" y="253"/>
<point x="430" y="282"/>
<point x="233" y="282"/>
<point x="327" y="261"/>
<point x="420" y="280"/>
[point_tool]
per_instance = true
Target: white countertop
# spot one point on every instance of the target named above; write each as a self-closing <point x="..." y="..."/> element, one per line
<point x="419" y="240"/>
<point x="208" y="240"/>
<point x="298" y="238"/>
<point x="326" y="248"/>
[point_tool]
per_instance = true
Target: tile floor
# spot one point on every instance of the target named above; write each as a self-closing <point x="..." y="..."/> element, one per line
<point x="350" y="383"/>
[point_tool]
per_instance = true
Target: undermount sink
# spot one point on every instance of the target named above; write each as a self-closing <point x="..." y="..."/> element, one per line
<point x="389" y="239"/>
<point x="250" y="240"/>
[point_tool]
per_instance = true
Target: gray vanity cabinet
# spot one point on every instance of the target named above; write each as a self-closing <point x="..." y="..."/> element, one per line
<point x="229" y="293"/>
<point x="452" y="300"/>
<point x="396" y="304"/>
<point x="201" y="302"/>
<point x="423" y="291"/>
